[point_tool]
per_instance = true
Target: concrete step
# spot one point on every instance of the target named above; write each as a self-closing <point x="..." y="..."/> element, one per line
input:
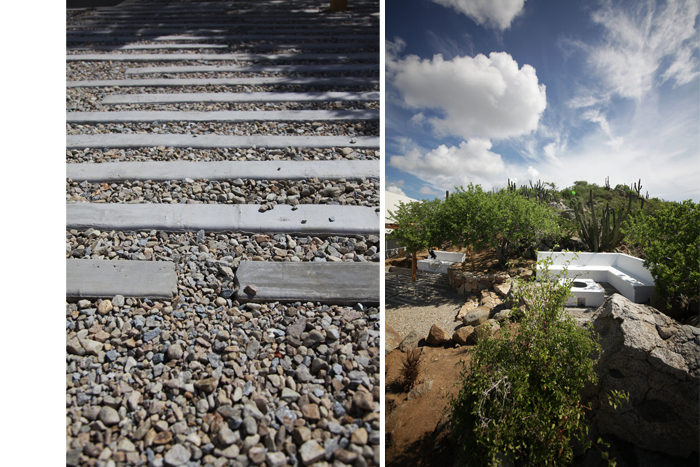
<point x="120" y="141"/>
<point x="257" y="170"/>
<point x="265" y="97"/>
<point x="131" y="116"/>
<point x="229" y="38"/>
<point x="252" y="69"/>
<point x="146" y="31"/>
<point x="215" y="57"/>
<point x="309" y="81"/>
<point x="196" y="46"/>
<point x="306" y="219"/>
<point x="337" y="283"/>
<point x="106" y="278"/>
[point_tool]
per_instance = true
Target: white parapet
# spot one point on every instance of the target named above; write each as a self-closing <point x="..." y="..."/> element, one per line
<point x="444" y="260"/>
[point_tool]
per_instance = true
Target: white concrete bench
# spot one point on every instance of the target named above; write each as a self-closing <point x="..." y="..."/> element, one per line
<point x="444" y="259"/>
<point x="626" y="273"/>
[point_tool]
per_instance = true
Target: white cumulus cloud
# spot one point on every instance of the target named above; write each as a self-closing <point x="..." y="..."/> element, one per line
<point x="394" y="188"/>
<point x="497" y="14"/>
<point x="482" y="97"/>
<point x="532" y="172"/>
<point x="427" y="191"/>
<point x="447" y="167"/>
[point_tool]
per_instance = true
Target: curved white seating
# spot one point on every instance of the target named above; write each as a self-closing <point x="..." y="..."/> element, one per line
<point x="626" y="273"/>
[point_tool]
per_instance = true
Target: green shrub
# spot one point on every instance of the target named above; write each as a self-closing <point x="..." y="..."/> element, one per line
<point x="519" y="396"/>
<point x="671" y="245"/>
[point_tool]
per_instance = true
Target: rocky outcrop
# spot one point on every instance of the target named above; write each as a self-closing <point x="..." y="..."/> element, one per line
<point x="392" y="339"/>
<point x="655" y="360"/>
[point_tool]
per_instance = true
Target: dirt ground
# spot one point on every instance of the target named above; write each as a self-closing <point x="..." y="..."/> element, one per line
<point x="417" y="430"/>
<point x="418" y="427"/>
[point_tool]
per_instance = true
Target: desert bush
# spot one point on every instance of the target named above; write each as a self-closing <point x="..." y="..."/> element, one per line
<point x="671" y="245"/>
<point x="410" y="369"/>
<point x="519" y="396"/>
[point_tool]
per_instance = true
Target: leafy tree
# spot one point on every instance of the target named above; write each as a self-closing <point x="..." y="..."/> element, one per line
<point x="519" y="396"/>
<point x="417" y="227"/>
<point x="511" y="222"/>
<point x="463" y="214"/>
<point x="671" y="244"/>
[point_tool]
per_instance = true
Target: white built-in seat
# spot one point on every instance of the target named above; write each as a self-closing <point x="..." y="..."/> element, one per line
<point x="626" y="273"/>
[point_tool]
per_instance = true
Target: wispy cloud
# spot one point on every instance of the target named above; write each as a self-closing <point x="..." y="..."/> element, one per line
<point x="494" y="14"/>
<point x="640" y="39"/>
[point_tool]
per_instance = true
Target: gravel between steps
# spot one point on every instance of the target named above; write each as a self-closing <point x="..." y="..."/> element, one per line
<point x="343" y="128"/>
<point x="77" y="71"/>
<point x="238" y="191"/>
<point x="162" y="153"/>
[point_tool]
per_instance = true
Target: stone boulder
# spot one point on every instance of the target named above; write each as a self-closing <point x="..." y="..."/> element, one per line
<point x="437" y="336"/>
<point x="463" y="335"/>
<point x="657" y="361"/>
<point x="476" y="316"/>
<point x="487" y="328"/>
<point x="503" y="288"/>
<point x="490" y="299"/>
<point x="469" y="305"/>
<point x="392" y="339"/>
<point x="409" y="342"/>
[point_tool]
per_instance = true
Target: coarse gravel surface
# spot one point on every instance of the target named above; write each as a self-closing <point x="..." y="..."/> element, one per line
<point x="202" y="380"/>
<point x="163" y="383"/>
<point x="236" y="191"/>
<point x="161" y="153"/>
<point x="325" y="128"/>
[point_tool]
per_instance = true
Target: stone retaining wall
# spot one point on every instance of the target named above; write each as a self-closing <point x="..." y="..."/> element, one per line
<point x="465" y="282"/>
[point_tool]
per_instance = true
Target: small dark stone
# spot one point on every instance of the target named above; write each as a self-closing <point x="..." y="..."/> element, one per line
<point x="251" y="289"/>
<point x="73" y="457"/>
<point x="112" y="355"/>
<point x="158" y="358"/>
<point x="227" y="293"/>
<point x="150" y="335"/>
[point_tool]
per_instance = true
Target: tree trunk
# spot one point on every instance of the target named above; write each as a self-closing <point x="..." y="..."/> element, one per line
<point x="414" y="266"/>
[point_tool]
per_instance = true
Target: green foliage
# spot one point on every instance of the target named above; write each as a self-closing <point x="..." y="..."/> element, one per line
<point x="418" y="226"/>
<point x="603" y="236"/>
<point x="519" y="396"/>
<point x="514" y="223"/>
<point x="671" y="244"/>
<point x="462" y="216"/>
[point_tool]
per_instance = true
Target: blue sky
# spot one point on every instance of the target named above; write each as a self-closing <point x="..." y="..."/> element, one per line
<point x="482" y="91"/>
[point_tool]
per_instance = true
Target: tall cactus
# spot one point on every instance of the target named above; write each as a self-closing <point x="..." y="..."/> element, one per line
<point x="607" y="235"/>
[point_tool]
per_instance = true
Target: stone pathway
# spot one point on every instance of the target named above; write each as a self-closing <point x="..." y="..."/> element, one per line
<point x="187" y="373"/>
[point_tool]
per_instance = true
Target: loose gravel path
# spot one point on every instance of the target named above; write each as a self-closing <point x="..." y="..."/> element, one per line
<point x="203" y="378"/>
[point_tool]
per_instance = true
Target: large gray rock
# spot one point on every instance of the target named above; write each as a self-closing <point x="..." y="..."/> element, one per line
<point x="409" y="342"/>
<point x="477" y="316"/>
<point x="657" y="361"/>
